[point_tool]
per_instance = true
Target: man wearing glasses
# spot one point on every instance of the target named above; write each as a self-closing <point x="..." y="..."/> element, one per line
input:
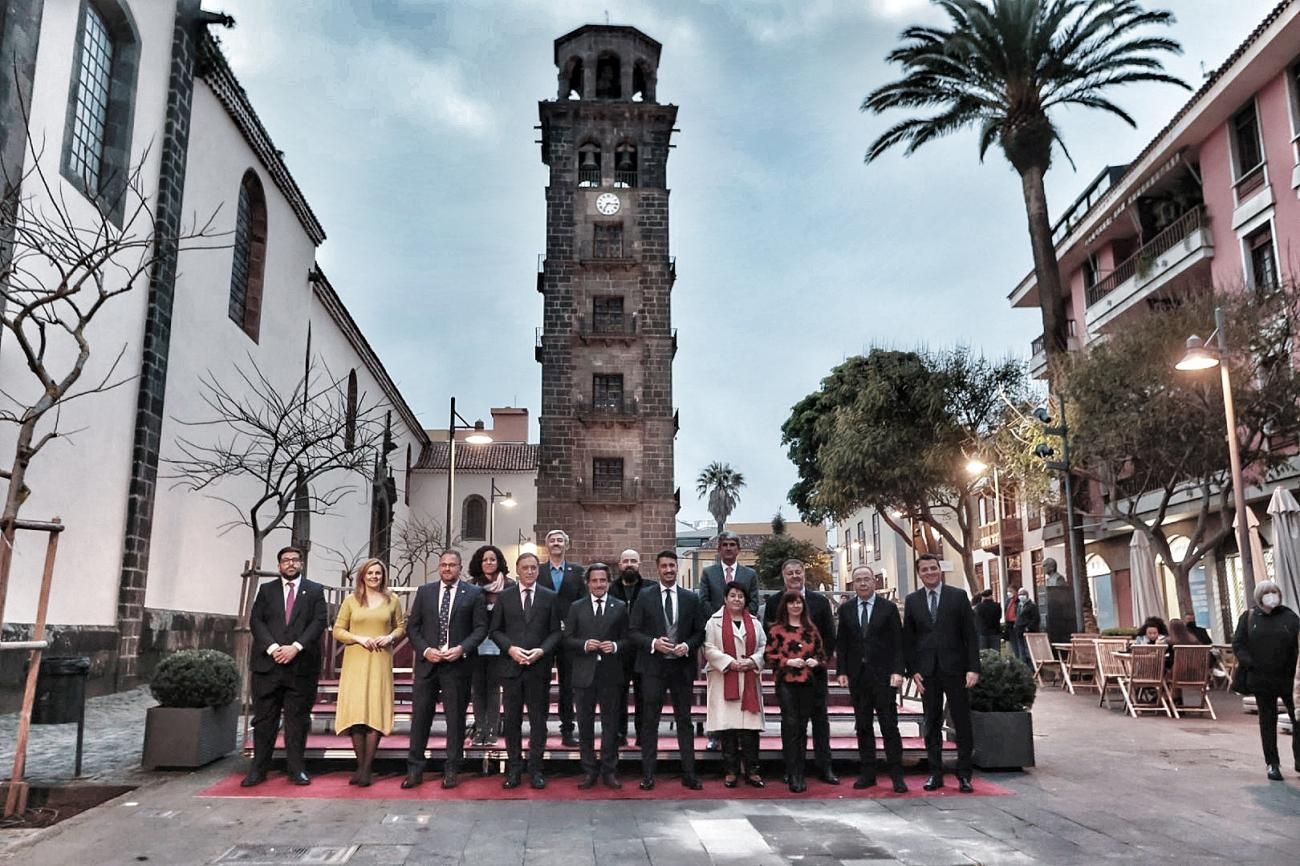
<point x="287" y="622"/>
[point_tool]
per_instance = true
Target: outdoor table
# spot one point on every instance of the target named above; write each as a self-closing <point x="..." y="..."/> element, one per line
<point x="1062" y="652"/>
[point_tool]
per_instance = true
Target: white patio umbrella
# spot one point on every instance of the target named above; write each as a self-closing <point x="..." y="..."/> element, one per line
<point x="1148" y="600"/>
<point x="1286" y="544"/>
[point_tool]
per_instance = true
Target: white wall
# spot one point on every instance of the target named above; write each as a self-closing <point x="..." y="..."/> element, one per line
<point x="429" y="500"/>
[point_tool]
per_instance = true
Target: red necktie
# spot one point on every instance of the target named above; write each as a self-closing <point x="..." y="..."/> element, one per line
<point x="288" y="604"/>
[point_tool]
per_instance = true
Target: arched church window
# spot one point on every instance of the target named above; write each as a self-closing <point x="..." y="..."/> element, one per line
<point x="573" y="79"/>
<point x="473" y="517"/>
<point x="589" y="165"/>
<point x="609" y="77"/>
<point x="625" y="166"/>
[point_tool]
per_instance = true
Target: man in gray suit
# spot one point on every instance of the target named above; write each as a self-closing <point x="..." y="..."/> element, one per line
<point x="714" y="580"/>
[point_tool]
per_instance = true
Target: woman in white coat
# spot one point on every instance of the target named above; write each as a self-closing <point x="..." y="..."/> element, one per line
<point x="733" y="648"/>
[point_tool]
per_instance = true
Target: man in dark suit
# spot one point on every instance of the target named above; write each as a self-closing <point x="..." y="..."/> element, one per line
<point x="823" y="616"/>
<point x="629" y="585"/>
<point x="714" y="579"/>
<point x="1027" y="621"/>
<point x="869" y="646"/>
<point x="287" y="621"/>
<point x="448" y="621"/>
<point x="595" y="632"/>
<point x="941" y="653"/>
<point x="988" y="621"/>
<point x="565" y="579"/>
<point x="526" y="626"/>
<point x="667" y="627"/>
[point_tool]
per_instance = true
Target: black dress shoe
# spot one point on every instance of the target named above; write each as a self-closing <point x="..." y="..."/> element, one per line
<point x="449" y="780"/>
<point x="512" y="780"/>
<point x="755" y="781"/>
<point x="729" y="782"/>
<point x="570" y="739"/>
<point x="900" y="787"/>
<point x="864" y="782"/>
<point x="798" y="787"/>
<point x="828" y="776"/>
<point x="611" y="781"/>
<point x="253" y="779"/>
<point x="648" y="783"/>
<point x="299" y="779"/>
<point x="538" y="781"/>
<point x="933" y="783"/>
<point x="691" y="782"/>
<point x="413" y="780"/>
<point x="964" y="785"/>
<point x="587" y="782"/>
<point x="1275" y="772"/>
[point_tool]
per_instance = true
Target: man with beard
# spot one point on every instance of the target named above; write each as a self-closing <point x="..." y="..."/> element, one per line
<point x="629" y="585"/>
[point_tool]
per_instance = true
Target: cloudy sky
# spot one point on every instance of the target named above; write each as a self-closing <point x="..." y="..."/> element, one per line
<point x="409" y="125"/>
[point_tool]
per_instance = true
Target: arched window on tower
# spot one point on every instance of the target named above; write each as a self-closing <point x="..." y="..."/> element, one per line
<point x="643" y="83"/>
<point x="572" y="88"/>
<point x="625" y="165"/>
<point x="350" y="419"/>
<point x="249" y="257"/>
<point x="609" y="77"/>
<point x="589" y="165"/>
<point x="473" y="518"/>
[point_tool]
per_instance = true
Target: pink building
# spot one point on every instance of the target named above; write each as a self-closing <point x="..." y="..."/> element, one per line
<point x="1214" y="197"/>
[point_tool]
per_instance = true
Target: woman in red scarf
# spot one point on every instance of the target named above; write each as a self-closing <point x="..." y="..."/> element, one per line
<point x="733" y="648"/>
<point x="794" y="652"/>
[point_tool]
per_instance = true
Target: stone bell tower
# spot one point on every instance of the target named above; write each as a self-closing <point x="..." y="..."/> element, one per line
<point x="607" y="343"/>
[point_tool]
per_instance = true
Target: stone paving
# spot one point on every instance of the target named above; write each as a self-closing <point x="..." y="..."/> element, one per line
<point x="1107" y="788"/>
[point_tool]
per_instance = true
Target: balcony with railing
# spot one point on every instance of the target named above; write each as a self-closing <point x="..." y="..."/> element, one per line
<point x="607" y="327"/>
<point x="1009" y="539"/>
<point x="1184" y="245"/>
<point x="607" y="410"/>
<point x="538" y="350"/>
<point x="610" y="492"/>
<point x="625" y="179"/>
<point x="589" y="176"/>
<point x="541" y="273"/>
<point x="1038" y="350"/>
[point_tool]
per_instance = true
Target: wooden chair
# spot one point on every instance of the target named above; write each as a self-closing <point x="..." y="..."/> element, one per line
<point x="1227" y="664"/>
<point x="1144" y="685"/>
<point x="1042" y="658"/>
<point x="1110" y="670"/>
<point x="1190" y="673"/>
<point x="1082" y="664"/>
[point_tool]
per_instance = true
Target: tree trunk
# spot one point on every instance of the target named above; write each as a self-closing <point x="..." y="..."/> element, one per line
<point x="1052" y="298"/>
<point x="1182" y="580"/>
<point x="15" y="496"/>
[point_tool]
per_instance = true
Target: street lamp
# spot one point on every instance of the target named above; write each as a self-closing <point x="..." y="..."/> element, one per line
<point x="526" y="544"/>
<point x="978" y="467"/>
<point x="507" y="501"/>
<point x="477" y="437"/>
<point x="1201" y="357"/>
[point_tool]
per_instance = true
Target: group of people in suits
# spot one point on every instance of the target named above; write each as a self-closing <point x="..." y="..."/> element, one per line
<point x="607" y="633"/>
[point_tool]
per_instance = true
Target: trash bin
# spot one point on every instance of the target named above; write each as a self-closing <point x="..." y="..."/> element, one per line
<point x="61" y="691"/>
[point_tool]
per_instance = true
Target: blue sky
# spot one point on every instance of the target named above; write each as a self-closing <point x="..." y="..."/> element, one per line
<point x="409" y="125"/>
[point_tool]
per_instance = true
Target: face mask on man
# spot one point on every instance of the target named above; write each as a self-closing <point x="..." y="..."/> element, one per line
<point x="1270" y="600"/>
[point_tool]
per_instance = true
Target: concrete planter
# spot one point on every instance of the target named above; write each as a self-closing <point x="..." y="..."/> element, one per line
<point x="1003" y="740"/>
<point x="188" y="737"/>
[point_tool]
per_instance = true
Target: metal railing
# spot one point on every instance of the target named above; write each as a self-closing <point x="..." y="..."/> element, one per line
<point x="1158" y="246"/>
<point x="608" y="325"/>
<point x="608" y="407"/>
<point x="589" y="177"/>
<point x="625" y="179"/>
<point x="611" y="491"/>
<point x="1251" y="181"/>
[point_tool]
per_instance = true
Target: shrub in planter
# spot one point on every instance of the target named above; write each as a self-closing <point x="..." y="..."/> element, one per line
<point x="1000" y="702"/>
<point x="198" y="718"/>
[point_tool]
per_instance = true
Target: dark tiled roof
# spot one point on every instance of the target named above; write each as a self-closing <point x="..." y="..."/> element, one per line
<point x="497" y="457"/>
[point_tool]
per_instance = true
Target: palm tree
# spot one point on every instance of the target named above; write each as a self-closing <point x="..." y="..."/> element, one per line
<point x="722" y="484"/>
<point x="1002" y="67"/>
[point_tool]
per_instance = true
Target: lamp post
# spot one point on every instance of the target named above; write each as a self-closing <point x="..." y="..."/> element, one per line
<point x="1201" y="357"/>
<point x="478" y="437"/>
<point x="979" y="467"/>
<point x="507" y="501"/>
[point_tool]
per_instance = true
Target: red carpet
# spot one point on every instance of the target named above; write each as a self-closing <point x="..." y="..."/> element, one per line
<point x="334" y="786"/>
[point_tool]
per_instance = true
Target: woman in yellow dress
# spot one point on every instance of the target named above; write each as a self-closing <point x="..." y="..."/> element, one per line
<point x="369" y="624"/>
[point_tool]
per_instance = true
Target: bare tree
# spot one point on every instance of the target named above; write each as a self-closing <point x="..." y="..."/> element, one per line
<point x="58" y="273"/>
<point x="418" y="540"/>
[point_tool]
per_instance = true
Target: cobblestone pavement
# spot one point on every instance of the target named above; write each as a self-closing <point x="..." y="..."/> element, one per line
<point x="110" y="749"/>
<point x="1107" y="788"/>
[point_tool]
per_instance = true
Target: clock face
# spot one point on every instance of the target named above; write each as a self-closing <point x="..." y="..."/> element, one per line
<point x="607" y="203"/>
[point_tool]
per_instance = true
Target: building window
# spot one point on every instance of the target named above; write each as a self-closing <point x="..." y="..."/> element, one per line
<point x="607" y="314"/>
<point x="1247" y="150"/>
<point x="862" y="543"/>
<point x="607" y="392"/>
<point x="1261" y="260"/>
<point x="1036" y="565"/>
<point x="406" y="479"/>
<point x="625" y="167"/>
<point x="609" y="77"/>
<point x="101" y="98"/>
<point x="979" y="574"/>
<point x="607" y="473"/>
<point x="574" y="79"/>
<point x="1015" y="566"/>
<point x="350" y="418"/>
<point x="473" y="518"/>
<point x="246" y="269"/>
<point x="607" y="241"/>
<point x="875" y="535"/>
<point x="589" y="165"/>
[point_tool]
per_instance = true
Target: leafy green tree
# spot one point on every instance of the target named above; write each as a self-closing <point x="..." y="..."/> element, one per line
<point x="1152" y="438"/>
<point x="1003" y="66"/>
<point x="722" y="485"/>
<point x="893" y="430"/>
<point x="776" y="549"/>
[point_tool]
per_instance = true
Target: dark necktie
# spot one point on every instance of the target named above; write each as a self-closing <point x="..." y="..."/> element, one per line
<point x="288" y="603"/>
<point x="862" y="615"/>
<point x="444" y="614"/>
<point x="528" y="602"/>
<point x="669" y="617"/>
<point x="934" y="605"/>
<point x="600" y="608"/>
